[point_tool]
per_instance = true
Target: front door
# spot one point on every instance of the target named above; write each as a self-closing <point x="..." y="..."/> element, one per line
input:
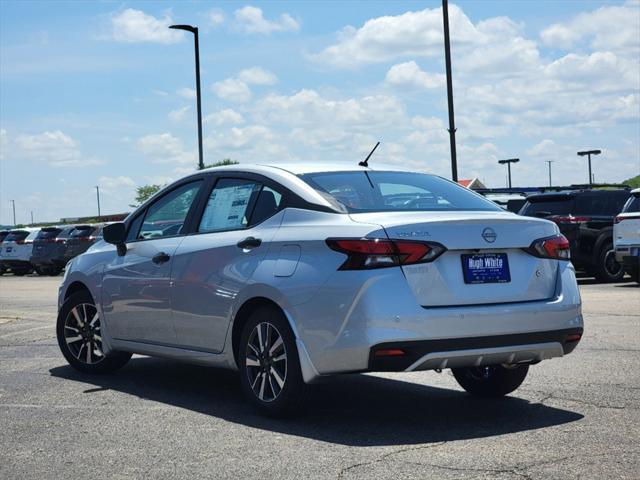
<point x="136" y="287"/>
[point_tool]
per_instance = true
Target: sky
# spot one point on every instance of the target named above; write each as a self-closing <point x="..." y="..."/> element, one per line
<point x="102" y="93"/>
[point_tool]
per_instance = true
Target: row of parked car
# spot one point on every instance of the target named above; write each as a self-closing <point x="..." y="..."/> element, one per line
<point x="44" y="250"/>
<point x="602" y="226"/>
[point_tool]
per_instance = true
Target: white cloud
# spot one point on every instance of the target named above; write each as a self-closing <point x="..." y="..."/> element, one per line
<point x="250" y="20"/>
<point x="54" y="147"/>
<point x="613" y="28"/>
<point x="178" y="114"/>
<point x="165" y="148"/>
<point x="216" y="17"/>
<point x="188" y="93"/>
<point x="109" y="184"/>
<point x="224" y="117"/>
<point x="160" y="93"/>
<point x="257" y="76"/>
<point x="409" y="74"/>
<point x="381" y="39"/>
<point x="134" y="26"/>
<point x="232" y="89"/>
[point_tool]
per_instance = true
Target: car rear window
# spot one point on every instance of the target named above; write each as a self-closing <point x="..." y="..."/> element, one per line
<point x="16" y="236"/>
<point x="632" y="205"/>
<point x="48" y="233"/>
<point x="360" y="191"/>
<point x="547" y="206"/>
<point x="606" y="204"/>
<point x="3" y="235"/>
<point x="82" y="232"/>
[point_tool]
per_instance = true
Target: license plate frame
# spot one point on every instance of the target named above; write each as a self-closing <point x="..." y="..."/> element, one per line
<point x="484" y="268"/>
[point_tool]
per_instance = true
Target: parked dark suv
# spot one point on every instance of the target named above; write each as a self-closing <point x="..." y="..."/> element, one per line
<point x="81" y="239"/>
<point x="585" y="217"/>
<point x="49" y="247"/>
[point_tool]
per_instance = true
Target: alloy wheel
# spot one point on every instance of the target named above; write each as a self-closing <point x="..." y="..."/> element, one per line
<point x="82" y="334"/>
<point x="266" y="362"/>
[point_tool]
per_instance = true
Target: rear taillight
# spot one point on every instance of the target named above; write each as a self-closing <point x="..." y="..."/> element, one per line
<point x="620" y="218"/>
<point x="556" y="247"/>
<point x="365" y="253"/>
<point x="569" y="219"/>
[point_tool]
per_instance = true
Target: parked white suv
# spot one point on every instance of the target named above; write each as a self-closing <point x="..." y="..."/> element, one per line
<point x="626" y="236"/>
<point x="16" y="249"/>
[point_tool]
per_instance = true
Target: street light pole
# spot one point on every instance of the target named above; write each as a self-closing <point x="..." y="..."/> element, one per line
<point x="98" y="196"/>
<point x="31" y="217"/>
<point x="549" y="162"/>
<point x="509" y="162"/>
<point x="447" y="59"/>
<point x="14" y="211"/>
<point x="194" y="30"/>
<point x="588" y="153"/>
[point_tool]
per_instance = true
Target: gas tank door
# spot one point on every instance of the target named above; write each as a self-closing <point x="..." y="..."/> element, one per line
<point x="287" y="261"/>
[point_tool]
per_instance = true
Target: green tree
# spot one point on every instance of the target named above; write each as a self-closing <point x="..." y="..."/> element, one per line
<point x="633" y="182"/>
<point x="144" y="193"/>
<point x="221" y="163"/>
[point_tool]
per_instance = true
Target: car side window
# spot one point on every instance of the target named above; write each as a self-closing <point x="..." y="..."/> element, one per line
<point x="229" y="203"/>
<point x="166" y="216"/>
<point x="134" y="228"/>
<point x="267" y="204"/>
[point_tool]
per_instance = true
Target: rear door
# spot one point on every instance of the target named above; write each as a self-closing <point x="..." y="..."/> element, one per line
<point x="136" y="286"/>
<point x="239" y="220"/>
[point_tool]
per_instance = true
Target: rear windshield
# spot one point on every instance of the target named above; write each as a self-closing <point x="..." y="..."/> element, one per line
<point x="48" y="233"/>
<point x="16" y="236"/>
<point x="3" y="235"/>
<point x="632" y="205"/>
<point x="543" y="207"/>
<point x="82" y="232"/>
<point x="360" y="192"/>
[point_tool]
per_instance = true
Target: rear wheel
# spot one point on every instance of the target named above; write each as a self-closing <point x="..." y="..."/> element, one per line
<point x="268" y="361"/>
<point x="608" y="269"/>
<point x="21" y="272"/>
<point x="492" y="380"/>
<point x="80" y="337"/>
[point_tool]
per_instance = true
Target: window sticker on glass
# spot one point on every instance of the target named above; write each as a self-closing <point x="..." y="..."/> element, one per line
<point x="227" y="205"/>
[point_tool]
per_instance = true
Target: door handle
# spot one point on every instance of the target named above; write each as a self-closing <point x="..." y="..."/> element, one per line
<point x="160" y="258"/>
<point x="249" y="242"/>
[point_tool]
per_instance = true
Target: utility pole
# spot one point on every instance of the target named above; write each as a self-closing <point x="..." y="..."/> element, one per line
<point x="447" y="59"/>
<point x="98" y="196"/>
<point x="588" y="153"/>
<point x="194" y="30"/>
<point x="31" y="217"/>
<point x="14" y="211"/>
<point x="549" y="162"/>
<point x="509" y="162"/>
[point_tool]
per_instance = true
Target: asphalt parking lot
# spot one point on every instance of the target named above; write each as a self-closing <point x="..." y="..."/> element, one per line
<point x="575" y="417"/>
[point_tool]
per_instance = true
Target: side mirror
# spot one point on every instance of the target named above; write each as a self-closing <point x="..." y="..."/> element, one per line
<point x="116" y="234"/>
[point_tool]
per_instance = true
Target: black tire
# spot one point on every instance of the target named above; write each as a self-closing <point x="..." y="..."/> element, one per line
<point x="40" y="270"/>
<point x="607" y="269"/>
<point x="265" y="375"/>
<point x="491" y="381"/>
<point x="21" y="272"/>
<point x="53" y="271"/>
<point x="79" y="338"/>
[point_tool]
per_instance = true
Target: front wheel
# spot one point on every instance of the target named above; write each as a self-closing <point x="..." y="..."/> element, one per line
<point x="80" y="337"/>
<point x="268" y="361"/>
<point x="492" y="380"/>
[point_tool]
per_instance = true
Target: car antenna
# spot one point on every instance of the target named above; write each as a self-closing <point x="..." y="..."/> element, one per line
<point x="366" y="160"/>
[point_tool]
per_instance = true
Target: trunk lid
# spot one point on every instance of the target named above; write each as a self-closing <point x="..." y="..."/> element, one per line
<point x="442" y="282"/>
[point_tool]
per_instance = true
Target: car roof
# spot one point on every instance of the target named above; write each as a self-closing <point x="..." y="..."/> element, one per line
<point x="572" y="193"/>
<point x="301" y="168"/>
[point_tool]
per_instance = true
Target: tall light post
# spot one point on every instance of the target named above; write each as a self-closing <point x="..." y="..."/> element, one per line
<point x="549" y="162"/>
<point x="194" y="30"/>
<point x="14" y="211"/>
<point x="447" y="59"/>
<point x="588" y="153"/>
<point x="98" y="196"/>
<point x="31" y="217"/>
<point x="509" y="161"/>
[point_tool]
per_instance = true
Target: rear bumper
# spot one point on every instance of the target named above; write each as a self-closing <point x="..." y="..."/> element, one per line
<point x="15" y="264"/>
<point x="477" y="351"/>
<point x="347" y="320"/>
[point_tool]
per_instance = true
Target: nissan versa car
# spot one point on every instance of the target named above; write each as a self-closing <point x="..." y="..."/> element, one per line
<point x="294" y="273"/>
